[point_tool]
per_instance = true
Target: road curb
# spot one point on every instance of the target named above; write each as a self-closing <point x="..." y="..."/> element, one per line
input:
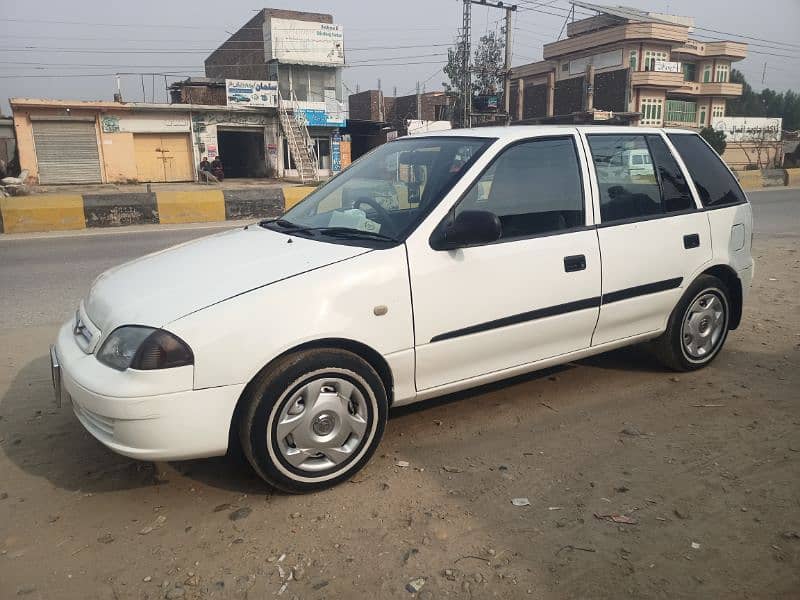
<point x="61" y="212"/>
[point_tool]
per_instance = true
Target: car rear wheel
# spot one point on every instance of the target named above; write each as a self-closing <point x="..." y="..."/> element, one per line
<point x="697" y="328"/>
<point x="313" y="419"/>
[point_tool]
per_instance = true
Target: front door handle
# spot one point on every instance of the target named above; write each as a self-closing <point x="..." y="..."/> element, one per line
<point x="691" y="240"/>
<point x="574" y="263"/>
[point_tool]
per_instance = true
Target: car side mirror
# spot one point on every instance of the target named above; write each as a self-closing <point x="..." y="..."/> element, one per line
<point x="469" y="228"/>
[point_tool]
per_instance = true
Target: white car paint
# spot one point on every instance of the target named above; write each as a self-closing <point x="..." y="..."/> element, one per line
<point x="240" y="299"/>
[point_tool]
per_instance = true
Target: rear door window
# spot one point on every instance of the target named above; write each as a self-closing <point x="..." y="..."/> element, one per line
<point x="638" y="177"/>
<point x="628" y="185"/>
<point x="715" y="184"/>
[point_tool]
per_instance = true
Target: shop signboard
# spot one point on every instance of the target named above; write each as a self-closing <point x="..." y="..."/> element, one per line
<point x="306" y="42"/>
<point x="249" y="92"/>
<point x="749" y="129"/>
<point x="666" y="66"/>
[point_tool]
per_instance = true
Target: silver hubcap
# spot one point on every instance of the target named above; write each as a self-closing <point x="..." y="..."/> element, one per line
<point x="703" y="326"/>
<point x="322" y="424"/>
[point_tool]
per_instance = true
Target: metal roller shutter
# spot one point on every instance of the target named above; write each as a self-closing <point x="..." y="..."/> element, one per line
<point x="66" y="151"/>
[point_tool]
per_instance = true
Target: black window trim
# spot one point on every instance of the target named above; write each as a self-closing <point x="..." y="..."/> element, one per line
<point x="645" y="134"/>
<point x="560" y="136"/>
<point x="722" y="162"/>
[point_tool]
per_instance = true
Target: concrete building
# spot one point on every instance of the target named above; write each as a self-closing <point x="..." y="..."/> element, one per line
<point x="304" y="53"/>
<point x="63" y="141"/>
<point x="8" y="143"/>
<point x="628" y="62"/>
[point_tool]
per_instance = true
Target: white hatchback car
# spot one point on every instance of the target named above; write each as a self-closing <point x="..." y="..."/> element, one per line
<point x="433" y="264"/>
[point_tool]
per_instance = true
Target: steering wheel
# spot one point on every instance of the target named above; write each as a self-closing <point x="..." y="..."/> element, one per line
<point x="383" y="216"/>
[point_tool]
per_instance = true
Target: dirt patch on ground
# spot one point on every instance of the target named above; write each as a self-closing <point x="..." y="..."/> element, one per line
<point x="640" y="484"/>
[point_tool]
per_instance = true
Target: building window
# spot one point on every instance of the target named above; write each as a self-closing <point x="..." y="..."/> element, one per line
<point x="650" y="58"/>
<point x="565" y="67"/>
<point x="680" y="111"/>
<point x="706" y="73"/>
<point x="703" y="110"/>
<point x="718" y="111"/>
<point x="689" y="71"/>
<point x="651" y="111"/>
<point x="633" y="59"/>
<point x="722" y="73"/>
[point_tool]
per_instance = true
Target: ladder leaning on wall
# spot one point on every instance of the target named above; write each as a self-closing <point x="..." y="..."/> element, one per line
<point x="301" y="146"/>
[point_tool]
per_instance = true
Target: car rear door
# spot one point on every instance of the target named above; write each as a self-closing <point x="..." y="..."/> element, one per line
<point x="653" y="235"/>
<point x="531" y="295"/>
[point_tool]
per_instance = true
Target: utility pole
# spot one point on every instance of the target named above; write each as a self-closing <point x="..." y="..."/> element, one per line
<point x="507" y="65"/>
<point x="419" y="103"/>
<point x="764" y="73"/>
<point x="466" y="78"/>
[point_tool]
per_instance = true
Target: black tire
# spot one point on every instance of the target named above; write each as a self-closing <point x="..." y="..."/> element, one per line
<point x="670" y="348"/>
<point x="277" y="386"/>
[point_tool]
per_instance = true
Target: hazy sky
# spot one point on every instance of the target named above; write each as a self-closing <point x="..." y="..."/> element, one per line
<point x="74" y="48"/>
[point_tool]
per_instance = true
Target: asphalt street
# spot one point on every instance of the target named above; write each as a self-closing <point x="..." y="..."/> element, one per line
<point x="43" y="276"/>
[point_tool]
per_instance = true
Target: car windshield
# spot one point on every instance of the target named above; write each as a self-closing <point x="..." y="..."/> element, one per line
<point x="384" y="195"/>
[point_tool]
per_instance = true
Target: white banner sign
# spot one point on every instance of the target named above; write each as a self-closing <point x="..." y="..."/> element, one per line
<point x="749" y="129"/>
<point x="304" y="42"/>
<point x="665" y="66"/>
<point x="247" y="92"/>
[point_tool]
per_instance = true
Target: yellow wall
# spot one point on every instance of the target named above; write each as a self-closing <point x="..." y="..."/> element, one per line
<point x="27" y="154"/>
<point x="118" y="155"/>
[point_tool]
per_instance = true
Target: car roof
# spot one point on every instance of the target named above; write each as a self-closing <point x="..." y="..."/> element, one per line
<point x="515" y="132"/>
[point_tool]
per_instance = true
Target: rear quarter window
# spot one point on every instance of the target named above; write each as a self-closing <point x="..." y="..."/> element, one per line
<point x="714" y="182"/>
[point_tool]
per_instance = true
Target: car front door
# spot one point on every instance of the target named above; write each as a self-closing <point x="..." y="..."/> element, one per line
<point x="532" y="294"/>
<point x="653" y="235"/>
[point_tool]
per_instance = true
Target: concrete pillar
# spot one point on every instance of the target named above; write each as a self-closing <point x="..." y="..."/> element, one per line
<point x="520" y="97"/>
<point x="590" y="87"/>
<point x="551" y="92"/>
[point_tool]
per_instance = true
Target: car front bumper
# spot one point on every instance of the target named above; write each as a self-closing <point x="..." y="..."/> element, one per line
<point x="175" y="425"/>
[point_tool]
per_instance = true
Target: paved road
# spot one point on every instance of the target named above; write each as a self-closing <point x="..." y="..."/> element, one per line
<point x="44" y="276"/>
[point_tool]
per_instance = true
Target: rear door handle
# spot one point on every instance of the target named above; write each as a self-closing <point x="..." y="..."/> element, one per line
<point x="691" y="240"/>
<point x="574" y="263"/>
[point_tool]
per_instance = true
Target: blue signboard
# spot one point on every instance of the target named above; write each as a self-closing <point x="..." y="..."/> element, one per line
<point x="336" y="155"/>
<point x="316" y="117"/>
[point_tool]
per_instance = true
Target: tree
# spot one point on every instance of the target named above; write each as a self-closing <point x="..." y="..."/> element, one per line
<point x="715" y="138"/>
<point x="488" y="67"/>
<point x="766" y="103"/>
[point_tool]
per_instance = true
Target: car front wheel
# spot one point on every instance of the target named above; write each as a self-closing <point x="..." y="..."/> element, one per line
<point x="698" y="326"/>
<point x="313" y="419"/>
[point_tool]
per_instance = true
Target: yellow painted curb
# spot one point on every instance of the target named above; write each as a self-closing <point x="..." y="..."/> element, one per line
<point x="792" y="177"/>
<point x="190" y="207"/>
<point x="23" y="214"/>
<point x="750" y="180"/>
<point x="293" y="195"/>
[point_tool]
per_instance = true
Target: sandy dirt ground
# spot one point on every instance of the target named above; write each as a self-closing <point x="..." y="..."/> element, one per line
<point x="702" y="470"/>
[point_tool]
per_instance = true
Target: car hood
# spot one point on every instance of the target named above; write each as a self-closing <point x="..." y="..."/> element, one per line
<point x="161" y="287"/>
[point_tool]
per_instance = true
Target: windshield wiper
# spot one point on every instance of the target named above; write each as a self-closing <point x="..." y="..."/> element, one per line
<point x="280" y="222"/>
<point x="353" y="233"/>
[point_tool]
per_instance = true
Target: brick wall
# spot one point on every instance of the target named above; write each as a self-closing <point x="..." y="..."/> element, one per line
<point x="237" y="60"/>
<point x="365" y="105"/>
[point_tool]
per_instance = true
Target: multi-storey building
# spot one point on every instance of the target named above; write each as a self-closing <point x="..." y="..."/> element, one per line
<point x="304" y="54"/>
<point x="628" y="61"/>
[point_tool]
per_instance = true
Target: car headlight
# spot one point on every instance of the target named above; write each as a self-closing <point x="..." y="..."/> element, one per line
<point x="144" y="348"/>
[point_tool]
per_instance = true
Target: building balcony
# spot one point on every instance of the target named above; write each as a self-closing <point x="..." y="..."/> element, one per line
<point x="656" y="79"/>
<point x="652" y="32"/>
<point x="725" y="50"/>
<point x="711" y="88"/>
